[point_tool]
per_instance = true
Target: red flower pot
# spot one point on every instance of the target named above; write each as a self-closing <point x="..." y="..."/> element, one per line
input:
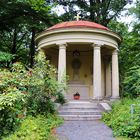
<point x="76" y="97"/>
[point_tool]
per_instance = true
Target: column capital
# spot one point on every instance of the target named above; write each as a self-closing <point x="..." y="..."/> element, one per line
<point x="62" y="45"/>
<point x="115" y="52"/>
<point x="96" y="45"/>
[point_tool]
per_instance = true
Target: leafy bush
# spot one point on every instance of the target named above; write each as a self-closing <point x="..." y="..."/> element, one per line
<point x="132" y="82"/>
<point x="12" y="99"/>
<point x="60" y="98"/>
<point x="17" y="77"/>
<point x="33" y="92"/>
<point x="5" y="59"/>
<point x="43" y="87"/>
<point x="121" y="121"/>
<point x="11" y="105"/>
<point x="36" y="128"/>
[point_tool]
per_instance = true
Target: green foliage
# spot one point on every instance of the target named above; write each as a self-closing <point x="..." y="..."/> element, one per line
<point x="20" y="21"/>
<point x="129" y="51"/>
<point x="60" y="98"/>
<point x="17" y="79"/>
<point x="12" y="99"/>
<point x="25" y="92"/>
<point x="120" y="120"/>
<point x="11" y="105"/>
<point x="132" y="82"/>
<point x="119" y="28"/>
<point x="43" y="87"/>
<point x="40" y="5"/>
<point x="98" y="11"/>
<point x="36" y="128"/>
<point x="5" y="59"/>
<point x="24" y="12"/>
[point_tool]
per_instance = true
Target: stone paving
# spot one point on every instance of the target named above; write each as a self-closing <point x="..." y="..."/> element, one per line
<point x="84" y="130"/>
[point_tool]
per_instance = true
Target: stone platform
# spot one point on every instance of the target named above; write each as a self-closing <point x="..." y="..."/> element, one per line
<point x="80" y="110"/>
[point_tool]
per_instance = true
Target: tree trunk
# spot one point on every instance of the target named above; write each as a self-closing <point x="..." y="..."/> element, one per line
<point x="32" y="48"/>
<point x="14" y="43"/>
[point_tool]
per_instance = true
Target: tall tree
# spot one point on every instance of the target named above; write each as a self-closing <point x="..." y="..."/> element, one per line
<point x="129" y="50"/>
<point x="100" y="11"/>
<point x="22" y="19"/>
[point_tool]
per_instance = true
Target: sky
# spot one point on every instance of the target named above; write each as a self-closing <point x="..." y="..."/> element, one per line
<point x="125" y="18"/>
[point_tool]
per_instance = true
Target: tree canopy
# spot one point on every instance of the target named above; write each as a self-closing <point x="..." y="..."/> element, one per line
<point x="20" y="21"/>
<point x="99" y="11"/>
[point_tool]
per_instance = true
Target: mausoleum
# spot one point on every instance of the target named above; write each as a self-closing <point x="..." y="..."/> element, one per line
<point x="88" y="53"/>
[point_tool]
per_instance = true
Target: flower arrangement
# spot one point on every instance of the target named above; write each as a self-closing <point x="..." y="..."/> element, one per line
<point x="76" y="96"/>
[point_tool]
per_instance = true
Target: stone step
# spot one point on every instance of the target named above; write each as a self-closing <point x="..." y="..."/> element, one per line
<point x="80" y="102"/>
<point x="79" y="107"/>
<point x="81" y="117"/>
<point x="80" y="112"/>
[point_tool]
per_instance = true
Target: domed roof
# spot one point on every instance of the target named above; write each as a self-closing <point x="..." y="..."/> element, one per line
<point x="80" y="23"/>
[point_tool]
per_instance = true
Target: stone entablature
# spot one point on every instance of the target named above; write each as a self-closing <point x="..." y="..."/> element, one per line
<point x="78" y="35"/>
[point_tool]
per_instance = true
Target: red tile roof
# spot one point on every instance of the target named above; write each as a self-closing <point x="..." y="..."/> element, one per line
<point x="78" y="24"/>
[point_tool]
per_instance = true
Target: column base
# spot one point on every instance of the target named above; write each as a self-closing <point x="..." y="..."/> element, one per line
<point x="97" y="98"/>
<point x="114" y="98"/>
<point x="107" y="97"/>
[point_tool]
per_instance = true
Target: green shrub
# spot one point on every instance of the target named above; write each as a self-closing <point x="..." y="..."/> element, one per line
<point x="34" y="91"/>
<point x="5" y="59"/>
<point x="12" y="99"/>
<point x="121" y="121"/>
<point x="43" y="87"/>
<point x="132" y="82"/>
<point x="60" y="98"/>
<point x="17" y="77"/>
<point x="36" y="128"/>
<point x="11" y="105"/>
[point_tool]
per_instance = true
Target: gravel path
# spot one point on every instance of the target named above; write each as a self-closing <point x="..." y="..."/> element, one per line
<point x="84" y="130"/>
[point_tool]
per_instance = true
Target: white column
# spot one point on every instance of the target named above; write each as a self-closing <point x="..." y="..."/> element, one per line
<point x="108" y="78"/>
<point x="97" y="72"/>
<point x="62" y="63"/>
<point x="115" y="75"/>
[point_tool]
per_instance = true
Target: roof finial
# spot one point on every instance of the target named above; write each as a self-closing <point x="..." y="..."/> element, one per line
<point x="77" y="16"/>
